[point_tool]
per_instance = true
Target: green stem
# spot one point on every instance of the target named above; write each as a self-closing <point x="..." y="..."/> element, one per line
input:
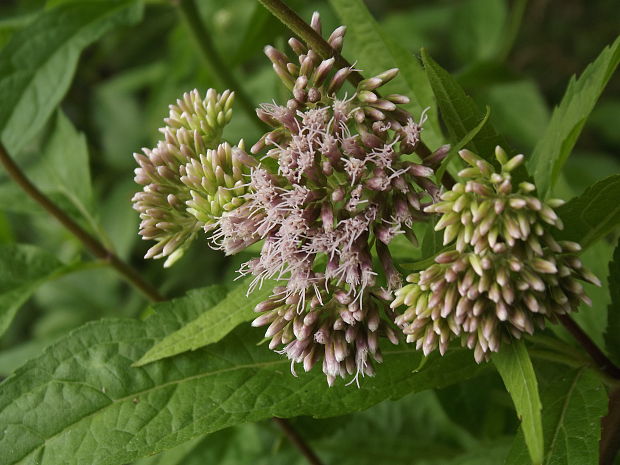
<point x="314" y="40"/>
<point x="597" y="355"/>
<point x="555" y="357"/>
<point x="300" y="28"/>
<point x="610" y="430"/>
<point x="91" y="243"/>
<point x="220" y="70"/>
<point x="297" y="440"/>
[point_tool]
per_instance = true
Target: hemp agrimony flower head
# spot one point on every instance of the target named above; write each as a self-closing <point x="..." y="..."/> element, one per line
<point x="507" y="275"/>
<point x="168" y="171"/>
<point x="332" y="186"/>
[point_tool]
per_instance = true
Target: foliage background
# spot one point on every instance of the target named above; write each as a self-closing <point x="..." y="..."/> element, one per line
<point x="117" y="100"/>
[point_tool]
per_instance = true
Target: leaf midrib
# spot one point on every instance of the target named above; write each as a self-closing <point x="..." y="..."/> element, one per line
<point x="114" y="402"/>
<point x="561" y="419"/>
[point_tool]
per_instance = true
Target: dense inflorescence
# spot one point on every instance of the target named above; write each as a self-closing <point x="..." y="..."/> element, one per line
<point x="191" y="136"/>
<point x="336" y="178"/>
<point x="505" y="273"/>
<point x="334" y="182"/>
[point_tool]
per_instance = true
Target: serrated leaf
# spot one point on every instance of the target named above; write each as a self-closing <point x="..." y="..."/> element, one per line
<point x="22" y="269"/>
<point x="573" y="403"/>
<point x="569" y="118"/>
<point x="612" y="334"/>
<point x="593" y="214"/>
<point x="82" y="402"/>
<point x="66" y="168"/>
<point x="374" y="51"/>
<point x="38" y="62"/>
<point x="461" y="115"/>
<point x="215" y="321"/>
<point x="515" y="367"/>
<point x="462" y="143"/>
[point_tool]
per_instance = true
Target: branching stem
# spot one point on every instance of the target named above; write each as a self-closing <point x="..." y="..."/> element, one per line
<point x="90" y="242"/>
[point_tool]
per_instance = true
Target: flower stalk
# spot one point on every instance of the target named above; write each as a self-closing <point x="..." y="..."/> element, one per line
<point x="95" y="247"/>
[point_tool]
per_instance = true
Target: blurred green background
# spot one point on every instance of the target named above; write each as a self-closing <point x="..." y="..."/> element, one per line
<point x="515" y="56"/>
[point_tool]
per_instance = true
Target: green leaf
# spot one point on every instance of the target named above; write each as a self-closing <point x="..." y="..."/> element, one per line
<point x="593" y="214"/>
<point x="573" y="403"/>
<point x="612" y="334"/>
<point x="38" y="63"/>
<point x="462" y="143"/>
<point x="515" y="367"/>
<point x="82" y="401"/>
<point x="374" y="51"/>
<point x="66" y="157"/>
<point x="569" y="118"/>
<point x="461" y="115"/>
<point x="66" y="171"/>
<point x="380" y="435"/>
<point x="9" y="25"/>
<point x="215" y="321"/>
<point x="22" y="269"/>
<point x="225" y="447"/>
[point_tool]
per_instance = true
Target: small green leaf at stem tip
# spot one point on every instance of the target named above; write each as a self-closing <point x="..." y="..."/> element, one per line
<point x="461" y="115"/>
<point x="462" y="143"/>
<point x="214" y="322"/>
<point x="426" y="262"/>
<point x="593" y="214"/>
<point x="569" y="118"/>
<point x="375" y="51"/>
<point x="515" y="367"/>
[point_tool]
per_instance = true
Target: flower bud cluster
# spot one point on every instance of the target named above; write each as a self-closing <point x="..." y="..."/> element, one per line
<point x="506" y="274"/>
<point x="217" y="182"/>
<point x="332" y="185"/>
<point x="192" y="132"/>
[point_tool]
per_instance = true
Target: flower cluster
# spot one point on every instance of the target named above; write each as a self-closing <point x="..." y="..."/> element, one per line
<point x="506" y="274"/>
<point x="326" y="190"/>
<point x="168" y="174"/>
<point x="332" y="184"/>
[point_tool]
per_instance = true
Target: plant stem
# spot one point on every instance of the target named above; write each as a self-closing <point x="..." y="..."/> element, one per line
<point x="314" y="40"/>
<point x="220" y="70"/>
<point x="127" y="272"/>
<point x="610" y="430"/>
<point x="297" y="440"/>
<point x="299" y="27"/>
<point x="597" y="355"/>
<point x="90" y="242"/>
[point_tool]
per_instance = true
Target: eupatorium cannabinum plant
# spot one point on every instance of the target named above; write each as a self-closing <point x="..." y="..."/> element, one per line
<point x="326" y="190"/>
